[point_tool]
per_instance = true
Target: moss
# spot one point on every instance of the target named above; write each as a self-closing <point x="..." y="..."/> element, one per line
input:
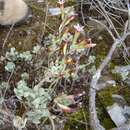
<point x="116" y="77"/>
<point x="104" y="118"/>
<point x="100" y="51"/>
<point x="111" y="66"/>
<point x="104" y="99"/>
<point x="105" y="96"/>
<point x="107" y="123"/>
<point x="75" y="120"/>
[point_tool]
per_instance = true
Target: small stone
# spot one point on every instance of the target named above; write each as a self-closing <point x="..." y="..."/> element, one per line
<point x="126" y="110"/>
<point x="40" y="1"/>
<point x="100" y="38"/>
<point x="124" y="127"/>
<point x="116" y="113"/>
<point x="56" y="11"/>
<point x="119" y="99"/>
<point x="111" y="82"/>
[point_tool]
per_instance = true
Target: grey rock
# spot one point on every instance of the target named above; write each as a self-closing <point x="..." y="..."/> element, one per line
<point x="124" y="127"/>
<point x="116" y="113"/>
<point x="56" y="11"/>
<point x="126" y="110"/>
<point x="119" y="99"/>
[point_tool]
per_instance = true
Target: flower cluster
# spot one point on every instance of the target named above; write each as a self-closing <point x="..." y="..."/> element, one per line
<point x="78" y="28"/>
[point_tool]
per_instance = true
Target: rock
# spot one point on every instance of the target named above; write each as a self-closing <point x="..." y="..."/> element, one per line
<point x="56" y="11"/>
<point x="126" y="110"/>
<point x="116" y="113"/>
<point x="124" y="71"/>
<point x="40" y="1"/>
<point x="111" y="82"/>
<point x="47" y="127"/>
<point x="119" y="99"/>
<point x="120" y="69"/>
<point x="106" y="81"/>
<point x="124" y="127"/>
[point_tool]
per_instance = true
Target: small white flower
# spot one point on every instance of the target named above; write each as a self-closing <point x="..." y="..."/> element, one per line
<point x="61" y="2"/>
<point x="78" y="28"/>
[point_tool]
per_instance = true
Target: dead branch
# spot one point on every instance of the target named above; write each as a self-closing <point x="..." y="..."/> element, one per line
<point x="94" y="121"/>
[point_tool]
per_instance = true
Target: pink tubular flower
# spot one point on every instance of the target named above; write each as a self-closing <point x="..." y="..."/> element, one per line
<point x="71" y="17"/>
<point x="61" y="2"/>
<point x="78" y="28"/>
